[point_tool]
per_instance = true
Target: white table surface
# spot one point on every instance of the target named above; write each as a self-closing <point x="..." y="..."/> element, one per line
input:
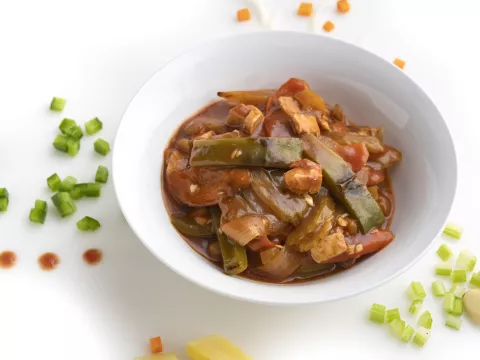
<point x="96" y="54"/>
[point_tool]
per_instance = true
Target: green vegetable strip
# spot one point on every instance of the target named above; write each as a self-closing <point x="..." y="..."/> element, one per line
<point x="73" y="146"/>
<point x="425" y="320"/>
<point x="444" y="269"/>
<point x="70" y="128"/>
<point x="475" y="279"/>
<point x="37" y="215"/>
<point x="416" y="291"/>
<point x="453" y="230"/>
<point x="377" y="313"/>
<point x="68" y="184"/>
<point x="421" y="337"/>
<point x="459" y="276"/>
<point x="454" y="322"/>
<point x="415" y="306"/>
<point x="88" y="224"/>
<point x="86" y="189"/>
<point x="64" y="203"/>
<point x="40" y="204"/>
<point x="397" y="326"/>
<point x="392" y="314"/>
<point x="459" y="291"/>
<point x="407" y="333"/>
<point x="93" y="126"/>
<point x="444" y="252"/>
<point x="60" y="143"/>
<point x="57" y="104"/>
<point x="264" y="152"/>
<point x="188" y="226"/>
<point x="102" y="147"/>
<point x="458" y="307"/>
<point x="466" y="260"/>
<point x="54" y="182"/>
<point x="4" y="199"/>
<point x="449" y="302"/>
<point x="101" y="175"/>
<point x="234" y="256"/>
<point x="438" y="288"/>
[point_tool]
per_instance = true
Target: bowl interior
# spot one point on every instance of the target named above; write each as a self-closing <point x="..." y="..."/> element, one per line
<point x="371" y="91"/>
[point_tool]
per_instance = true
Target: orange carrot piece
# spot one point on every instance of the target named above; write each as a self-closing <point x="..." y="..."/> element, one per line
<point x="243" y="15"/>
<point x="305" y="9"/>
<point x="399" y="62"/>
<point x="328" y="26"/>
<point x="156" y="345"/>
<point x="343" y="6"/>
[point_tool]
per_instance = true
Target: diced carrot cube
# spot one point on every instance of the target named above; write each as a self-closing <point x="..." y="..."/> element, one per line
<point x="243" y="15"/>
<point x="156" y="345"/>
<point x="305" y="9"/>
<point x="343" y="6"/>
<point x="399" y="62"/>
<point x="328" y="26"/>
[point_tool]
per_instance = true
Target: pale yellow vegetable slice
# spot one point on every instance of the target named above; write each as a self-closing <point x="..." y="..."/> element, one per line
<point x="471" y="301"/>
<point x="162" y="356"/>
<point x="214" y="347"/>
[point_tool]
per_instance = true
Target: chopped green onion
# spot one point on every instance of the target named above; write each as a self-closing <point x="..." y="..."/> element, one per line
<point x="392" y="314"/>
<point x="60" y="143"/>
<point x="377" y="313"/>
<point x="4" y="193"/>
<point x="453" y="230"/>
<point x="68" y="184"/>
<point x="466" y="260"/>
<point x="443" y="268"/>
<point x="415" y="291"/>
<point x="425" y="320"/>
<point x="93" y="126"/>
<point x="37" y="215"/>
<point x="69" y="127"/>
<point x="57" y="104"/>
<point x="459" y="291"/>
<point x="438" y="288"/>
<point x="3" y="204"/>
<point x="415" y="307"/>
<point x="475" y="279"/>
<point x="73" y="145"/>
<point x="449" y="302"/>
<point x="77" y="133"/>
<point x="458" y="307"/>
<point x="64" y="203"/>
<point x="40" y="204"/>
<point x="54" y="182"/>
<point x="102" y="147"/>
<point x="421" y="337"/>
<point x="88" y="224"/>
<point x="102" y="174"/>
<point x="459" y="276"/>
<point x="397" y="326"/>
<point x="407" y="333"/>
<point x="454" y="322"/>
<point x="444" y="252"/>
<point x="86" y="189"/>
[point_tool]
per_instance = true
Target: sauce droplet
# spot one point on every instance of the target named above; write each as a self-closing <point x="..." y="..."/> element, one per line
<point x="92" y="256"/>
<point x="48" y="261"/>
<point x="7" y="259"/>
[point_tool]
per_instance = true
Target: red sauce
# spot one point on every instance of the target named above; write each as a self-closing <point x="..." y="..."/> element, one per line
<point x="7" y="259"/>
<point x="92" y="256"/>
<point x="48" y="261"/>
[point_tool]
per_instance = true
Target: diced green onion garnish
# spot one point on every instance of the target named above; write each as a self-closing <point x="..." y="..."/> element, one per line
<point x="102" y="147"/>
<point x="377" y="313"/>
<point x="102" y="174"/>
<point x="73" y="145"/>
<point x="421" y="337"/>
<point x="454" y="322"/>
<point x="397" y="326"/>
<point x="57" y="104"/>
<point x="54" y="182"/>
<point x="444" y="252"/>
<point x="69" y="127"/>
<point x="459" y="291"/>
<point x="415" y="291"/>
<point x="425" y="320"/>
<point x="458" y="307"/>
<point x="68" y="184"/>
<point x="475" y="279"/>
<point x="86" y="189"/>
<point x="407" y="333"/>
<point x="466" y="260"/>
<point x="60" y="143"/>
<point x="459" y="276"/>
<point x="40" y="204"/>
<point x="392" y="314"/>
<point x="4" y="193"/>
<point x="64" y="203"/>
<point x="88" y="224"/>
<point x="449" y="302"/>
<point x="453" y="230"/>
<point x="415" y="307"/>
<point x="93" y="126"/>
<point x="438" y="288"/>
<point x="3" y="204"/>
<point x="443" y="268"/>
<point x="37" y="215"/>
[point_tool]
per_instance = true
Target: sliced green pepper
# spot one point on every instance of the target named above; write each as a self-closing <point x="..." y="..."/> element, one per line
<point x="188" y="226"/>
<point x="264" y="152"/>
<point x="234" y="256"/>
<point x="343" y="184"/>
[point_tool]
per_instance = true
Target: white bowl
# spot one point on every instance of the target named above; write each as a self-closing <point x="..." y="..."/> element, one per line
<point x="371" y="90"/>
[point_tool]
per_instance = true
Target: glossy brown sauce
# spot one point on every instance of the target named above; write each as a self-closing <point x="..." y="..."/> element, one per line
<point x="93" y="256"/>
<point x="8" y="259"/>
<point x="48" y="261"/>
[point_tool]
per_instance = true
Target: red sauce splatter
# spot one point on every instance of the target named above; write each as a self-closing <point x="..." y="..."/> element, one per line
<point x="7" y="259"/>
<point x="48" y="261"/>
<point x="92" y="256"/>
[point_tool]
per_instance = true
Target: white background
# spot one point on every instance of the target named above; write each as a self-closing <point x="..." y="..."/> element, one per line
<point x="96" y="54"/>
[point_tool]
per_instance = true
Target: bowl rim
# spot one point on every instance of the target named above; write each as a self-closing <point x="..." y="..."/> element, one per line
<point x="280" y="302"/>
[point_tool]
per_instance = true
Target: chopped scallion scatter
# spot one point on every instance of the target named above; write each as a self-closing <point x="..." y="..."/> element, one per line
<point x="454" y="322"/>
<point x="86" y="189"/>
<point x="438" y="288"/>
<point x="37" y="215"/>
<point x="68" y="184"/>
<point x="67" y="126"/>
<point x="40" y="204"/>
<point x="4" y="193"/>
<point x="64" y="203"/>
<point x="93" y="126"/>
<point x="377" y="313"/>
<point x="449" y="302"/>
<point x="102" y="174"/>
<point x="458" y="307"/>
<point x="466" y="260"/>
<point x="459" y="291"/>
<point x="421" y="337"/>
<point x="444" y="269"/>
<point x="475" y="279"/>
<point x="4" y="199"/>
<point x="453" y="230"/>
<point x="54" y="182"/>
<point x="459" y="276"/>
<point x="407" y="333"/>
<point x="416" y="291"/>
<point x="57" y="104"/>
<point x="397" y="326"/>
<point x="444" y="252"/>
<point x="425" y="320"/>
<point x="73" y="145"/>
<point x="60" y="143"/>
<point x="392" y="314"/>
<point x="102" y="147"/>
<point x="415" y="307"/>
<point x="88" y="224"/>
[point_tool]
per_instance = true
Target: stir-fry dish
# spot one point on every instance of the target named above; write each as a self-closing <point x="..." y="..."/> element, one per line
<point x="279" y="186"/>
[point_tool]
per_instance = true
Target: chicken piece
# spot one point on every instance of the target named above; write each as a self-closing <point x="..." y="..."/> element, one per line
<point x="207" y="135"/>
<point x="329" y="247"/>
<point x="301" y="123"/>
<point x="304" y="177"/>
<point x="236" y="115"/>
<point x="253" y="119"/>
